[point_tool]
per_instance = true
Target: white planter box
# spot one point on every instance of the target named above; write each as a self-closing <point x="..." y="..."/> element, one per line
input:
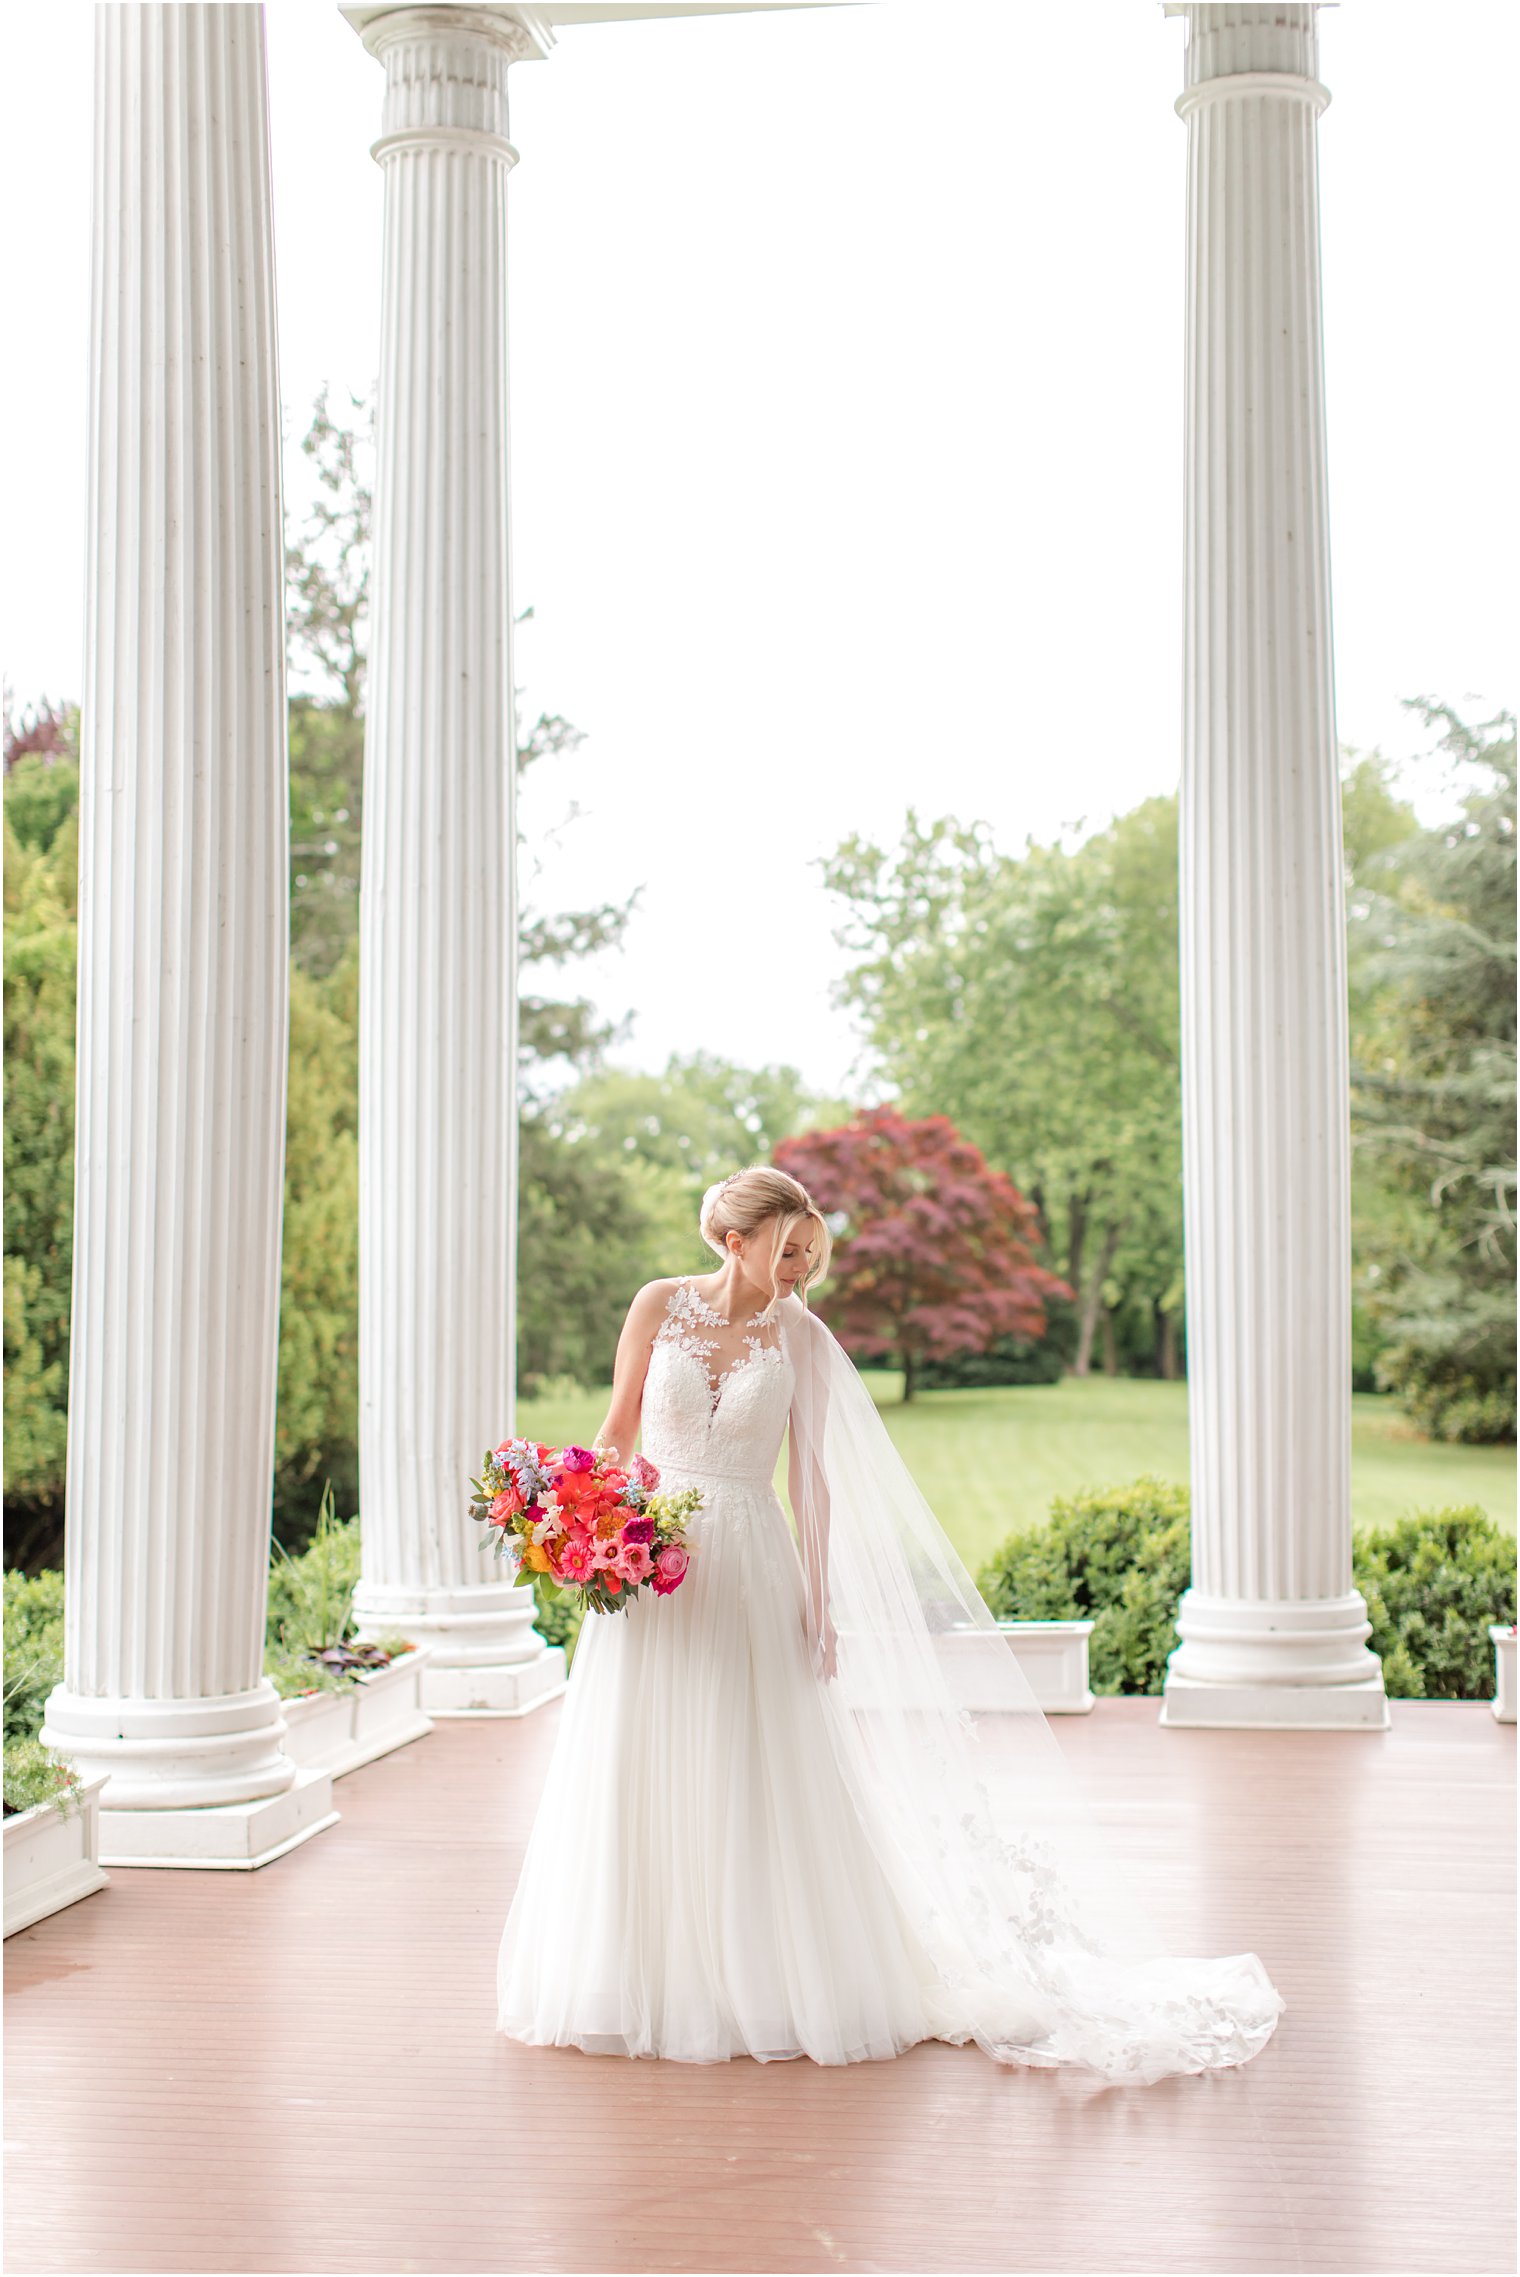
<point x="52" y="1857"/>
<point x="1050" y="1655"/>
<point x="1053" y="1655"/>
<point x="1504" y="1672"/>
<point x="318" y="1728"/>
<point x="337" y="1731"/>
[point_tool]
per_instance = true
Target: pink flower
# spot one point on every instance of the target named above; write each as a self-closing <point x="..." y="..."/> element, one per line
<point x="578" y="1459"/>
<point x="638" y="1530"/>
<point x="575" y="1560"/>
<point x="642" y="1469"/>
<point x="606" y="1552"/>
<point x="635" y="1563"/>
<point x="669" y="1569"/>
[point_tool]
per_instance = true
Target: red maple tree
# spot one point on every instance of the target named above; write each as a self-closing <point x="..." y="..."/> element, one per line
<point x="934" y="1256"/>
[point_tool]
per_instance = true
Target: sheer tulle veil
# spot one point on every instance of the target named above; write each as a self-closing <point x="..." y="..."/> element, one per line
<point x="984" y="1829"/>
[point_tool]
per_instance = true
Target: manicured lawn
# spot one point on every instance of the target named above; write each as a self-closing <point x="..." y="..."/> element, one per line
<point x="991" y="1461"/>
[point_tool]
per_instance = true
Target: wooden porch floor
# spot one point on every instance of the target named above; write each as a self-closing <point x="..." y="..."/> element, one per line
<point x="296" y="2069"/>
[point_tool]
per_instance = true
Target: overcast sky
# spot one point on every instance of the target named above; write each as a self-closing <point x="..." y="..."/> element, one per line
<point x="847" y="426"/>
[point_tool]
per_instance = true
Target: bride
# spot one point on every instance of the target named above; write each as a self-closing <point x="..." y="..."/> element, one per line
<point x="806" y="1804"/>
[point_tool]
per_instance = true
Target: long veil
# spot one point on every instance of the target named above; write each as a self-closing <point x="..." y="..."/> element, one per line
<point x="1045" y="1954"/>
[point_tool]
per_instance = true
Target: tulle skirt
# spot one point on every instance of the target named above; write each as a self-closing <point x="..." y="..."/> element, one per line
<point x="713" y="1869"/>
<point x="698" y="1884"/>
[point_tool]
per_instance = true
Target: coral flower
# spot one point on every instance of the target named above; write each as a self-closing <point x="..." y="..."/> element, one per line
<point x="575" y="1562"/>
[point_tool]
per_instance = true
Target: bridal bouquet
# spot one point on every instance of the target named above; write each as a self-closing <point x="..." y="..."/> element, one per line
<point x="593" y="1525"/>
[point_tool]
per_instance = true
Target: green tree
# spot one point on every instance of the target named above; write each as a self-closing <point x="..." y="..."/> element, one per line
<point x="589" y="1233"/>
<point x="327" y="575"/>
<point x="316" y="1414"/>
<point x="1433" y="957"/>
<point x="1034" y="1000"/>
<point x="41" y="884"/>
<point x="703" y="1118"/>
<point x="613" y="1170"/>
<point x="581" y="1214"/>
<point x="564" y="1193"/>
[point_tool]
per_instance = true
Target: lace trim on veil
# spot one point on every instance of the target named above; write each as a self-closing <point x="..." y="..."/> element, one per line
<point x="1045" y="1954"/>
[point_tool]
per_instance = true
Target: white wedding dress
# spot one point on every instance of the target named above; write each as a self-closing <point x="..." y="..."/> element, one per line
<point x="711" y="1873"/>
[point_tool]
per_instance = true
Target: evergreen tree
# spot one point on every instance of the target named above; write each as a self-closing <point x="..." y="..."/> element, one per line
<point x="1433" y="955"/>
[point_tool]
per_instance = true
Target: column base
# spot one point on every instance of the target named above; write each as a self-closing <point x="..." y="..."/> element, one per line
<point x="211" y="1750"/>
<point x="486" y="1658"/>
<point x="503" y="1691"/>
<point x="1187" y="1703"/>
<point x="229" y="1836"/>
<point x="1274" y="1641"/>
<point x="1274" y="1664"/>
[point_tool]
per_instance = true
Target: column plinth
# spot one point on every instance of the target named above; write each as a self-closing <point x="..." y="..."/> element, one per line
<point x="183" y="980"/>
<point x="1273" y="1631"/>
<point x="437" y="903"/>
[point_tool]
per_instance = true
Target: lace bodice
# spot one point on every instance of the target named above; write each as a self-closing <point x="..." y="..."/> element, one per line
<point x="724" y="1422"/>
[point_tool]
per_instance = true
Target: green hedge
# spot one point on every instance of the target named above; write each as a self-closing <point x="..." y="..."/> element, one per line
<point x="1120" y="1556"/>
<point x="1433" y="1581"/>
<point x="33" y="1649"/>
<point x="33" y="1665"/>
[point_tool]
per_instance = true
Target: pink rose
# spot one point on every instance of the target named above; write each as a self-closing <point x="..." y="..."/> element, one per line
<point x="669" y="1569"/>
<point x="635" y="1564"/>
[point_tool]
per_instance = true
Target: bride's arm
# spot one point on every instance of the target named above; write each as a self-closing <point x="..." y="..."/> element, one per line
<point x="629" y="1369"/>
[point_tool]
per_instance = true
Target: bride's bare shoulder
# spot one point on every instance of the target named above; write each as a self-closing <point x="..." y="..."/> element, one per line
<point x="649" y="1303"/>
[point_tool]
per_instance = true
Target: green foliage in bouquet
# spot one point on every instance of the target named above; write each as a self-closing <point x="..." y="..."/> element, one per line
<point x="559" y="1615"/>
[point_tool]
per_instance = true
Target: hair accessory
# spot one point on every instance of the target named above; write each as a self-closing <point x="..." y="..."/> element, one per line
<point x="705" y="1213"/>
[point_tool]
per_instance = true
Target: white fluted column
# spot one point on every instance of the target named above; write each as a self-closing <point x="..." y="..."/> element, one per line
<point x="183" y="931"/>
<point x="1273" y="1632"/>
<point x="437" y="904"/>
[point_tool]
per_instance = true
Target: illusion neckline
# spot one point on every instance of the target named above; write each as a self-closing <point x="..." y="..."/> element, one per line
<point x="709" y="1313"/>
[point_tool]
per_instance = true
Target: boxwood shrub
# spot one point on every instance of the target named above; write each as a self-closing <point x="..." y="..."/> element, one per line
<point x="1120" y="1556"/>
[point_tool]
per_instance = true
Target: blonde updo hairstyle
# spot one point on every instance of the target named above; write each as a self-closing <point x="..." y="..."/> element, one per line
<point x="757" y="1196"/>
